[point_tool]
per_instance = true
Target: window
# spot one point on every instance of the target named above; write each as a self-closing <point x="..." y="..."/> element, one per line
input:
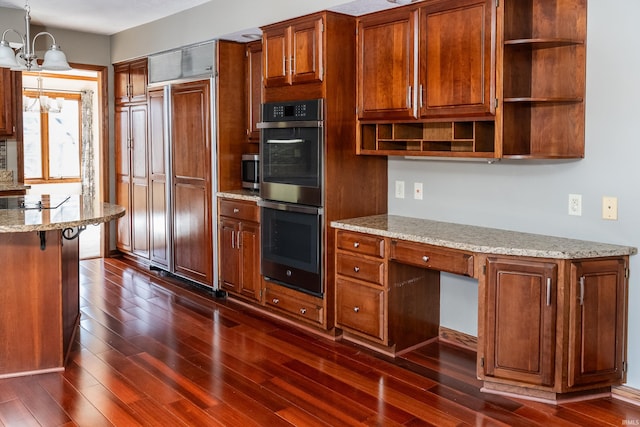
<point x="52" y="140"/>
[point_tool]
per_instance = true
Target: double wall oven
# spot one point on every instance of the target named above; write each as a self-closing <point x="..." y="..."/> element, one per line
<point x="292" y="194"/>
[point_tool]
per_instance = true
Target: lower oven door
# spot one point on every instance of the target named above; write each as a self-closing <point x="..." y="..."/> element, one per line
<point x="291" y="242"/>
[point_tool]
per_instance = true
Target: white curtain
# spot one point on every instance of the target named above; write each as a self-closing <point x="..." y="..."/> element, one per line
<point x="88" y="178"/>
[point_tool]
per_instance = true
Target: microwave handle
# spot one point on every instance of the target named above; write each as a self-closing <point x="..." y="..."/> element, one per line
<point x="285" y="141"/>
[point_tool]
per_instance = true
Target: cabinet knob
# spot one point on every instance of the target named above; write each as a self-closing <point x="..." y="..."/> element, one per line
<point x="425" y="258"/>
<point x="275" y="300"/>
<point x="303" y="311"/>
<point x="356" y="244"/>
<point x="356" y="309"/>
<point x="236" y="210"/>
<point x="356" y="269"/>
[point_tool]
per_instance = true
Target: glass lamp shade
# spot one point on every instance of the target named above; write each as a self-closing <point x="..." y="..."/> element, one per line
<point x="7" y="56"/>
<point x="55" y="60"/>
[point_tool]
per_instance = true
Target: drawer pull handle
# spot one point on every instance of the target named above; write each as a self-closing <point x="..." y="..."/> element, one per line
<point x="356" y="309"/>
<point x="356" y="244"/>
<point x="276" y="300"/>
<point x="236" y="210"/>
<point x="356" y="269"/>
<point x="425" y="258"/>
<point x="303" y="311"/>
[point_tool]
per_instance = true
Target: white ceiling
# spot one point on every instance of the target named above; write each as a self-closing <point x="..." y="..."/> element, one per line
<point x="112" y="16"/>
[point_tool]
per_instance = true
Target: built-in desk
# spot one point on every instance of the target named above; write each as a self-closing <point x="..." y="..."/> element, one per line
<point x="552" y="311"/>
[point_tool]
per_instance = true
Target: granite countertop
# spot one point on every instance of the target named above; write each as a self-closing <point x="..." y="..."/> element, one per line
<point x="480" y="239"/>
<point x="244" y="194"/>
<point x="12" y="186"/>
<point x="23" y="213"/>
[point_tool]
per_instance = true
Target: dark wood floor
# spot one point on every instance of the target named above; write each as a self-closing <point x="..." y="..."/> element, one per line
<point x="152" y="353"/>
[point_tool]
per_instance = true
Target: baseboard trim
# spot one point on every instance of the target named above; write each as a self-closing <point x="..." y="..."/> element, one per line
<point x="457" y="338"/>
<point x="628" y="394"/>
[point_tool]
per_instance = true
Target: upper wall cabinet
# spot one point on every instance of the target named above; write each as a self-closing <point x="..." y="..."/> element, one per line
<point x="292" y="52"/>
<point x="453" y="75"/>
<point x="6" y="104"/>
<point x="130" y="81"/>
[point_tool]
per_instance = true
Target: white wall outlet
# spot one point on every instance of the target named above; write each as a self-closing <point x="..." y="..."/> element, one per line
<point x="575" y="204"/>
<point x="610" y="208"/>
<point x="399" y="189"/>
<point x="417" y="190"/>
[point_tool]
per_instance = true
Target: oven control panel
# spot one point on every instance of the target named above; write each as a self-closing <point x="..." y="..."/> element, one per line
<point x="292" y="111"/>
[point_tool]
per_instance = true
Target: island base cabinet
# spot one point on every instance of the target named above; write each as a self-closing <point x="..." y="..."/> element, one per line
<point x="39" y="299"/>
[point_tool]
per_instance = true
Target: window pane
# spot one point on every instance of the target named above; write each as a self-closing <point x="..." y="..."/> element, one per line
<point x="32" y="147"/>
<point x="64" y="140"/>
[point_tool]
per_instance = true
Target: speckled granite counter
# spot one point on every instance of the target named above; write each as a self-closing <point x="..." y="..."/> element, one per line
<point x="6" y="186"/>
<point x="74" y="212"/>
<point x="251" y="196"/>
<point x="480" y="239"/>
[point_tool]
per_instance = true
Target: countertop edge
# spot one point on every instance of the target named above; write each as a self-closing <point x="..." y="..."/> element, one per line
<point x="25" y="228"/>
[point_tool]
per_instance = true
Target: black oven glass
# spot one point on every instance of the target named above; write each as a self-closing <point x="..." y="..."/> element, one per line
<point x="250" y="171"/>
<point x="292" y="156"/>
<point x="291" y="248"/>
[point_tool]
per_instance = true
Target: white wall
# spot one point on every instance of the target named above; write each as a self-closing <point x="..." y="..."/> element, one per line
<point x="533" y="196"/>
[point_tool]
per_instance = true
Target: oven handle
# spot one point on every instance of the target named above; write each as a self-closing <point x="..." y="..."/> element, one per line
<point x="285" y="125"/>
<point x="313" y="210"/>
<point x="285" y="141"/>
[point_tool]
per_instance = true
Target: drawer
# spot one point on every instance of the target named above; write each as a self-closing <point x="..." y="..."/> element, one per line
<point x="240" y="209"/>
<point x="360" y="308"/>
<point x="360" y="268"/>
<point x="298" y="304"/>
<point x="360" y="243"/>
<point x="442" y="259"/>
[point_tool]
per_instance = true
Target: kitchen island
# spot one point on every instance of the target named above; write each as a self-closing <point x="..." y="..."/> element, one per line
<point x="39" y="296"/>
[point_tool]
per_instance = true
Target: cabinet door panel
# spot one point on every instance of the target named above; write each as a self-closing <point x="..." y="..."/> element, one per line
<point x="386" y="67"/>
<point x="521" y="320"/>
<point x="275" y="56"/>
<point x="6" y="102"/>
<point x="229" y="255"/>
<point x="192" y="234"/>
<point x="250" y="260"/>
<point x="306" y="51"/>
<point x="598" y="313"/>
<point x="140" y="219"/>
<point x="455" y="66"/>
<point x="123" y="224"/>
<point x="360" y="308"/>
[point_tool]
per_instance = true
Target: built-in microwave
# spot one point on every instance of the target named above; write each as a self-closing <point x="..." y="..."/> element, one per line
<point x="251" y="171"/>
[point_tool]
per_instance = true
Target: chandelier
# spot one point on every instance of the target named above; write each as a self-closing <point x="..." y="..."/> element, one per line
<point x="42" y="103"/>
<point x="25" y="57"/>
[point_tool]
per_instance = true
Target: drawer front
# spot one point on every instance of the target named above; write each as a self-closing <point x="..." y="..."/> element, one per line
<point x="360" y="243"/>
<point x="301" y="306"/>
<point x="239" y="209"/>
<point x="360" y="308"/>
<point x="360" y="268"/>
<point x="449" y="260"/>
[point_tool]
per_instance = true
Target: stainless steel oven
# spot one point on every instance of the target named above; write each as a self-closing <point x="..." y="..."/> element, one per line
<point x="291" y="151"/>
<point x="291" y="245"/>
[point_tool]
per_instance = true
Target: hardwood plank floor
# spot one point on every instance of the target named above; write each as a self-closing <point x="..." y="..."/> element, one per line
<point x="152" y="351"/>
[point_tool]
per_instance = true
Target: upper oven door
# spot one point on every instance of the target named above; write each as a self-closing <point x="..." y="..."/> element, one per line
<point x="291" y="163"/>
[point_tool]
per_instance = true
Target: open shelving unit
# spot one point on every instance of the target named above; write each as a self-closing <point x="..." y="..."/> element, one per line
<point x="453" y="139"/>
<point x="543" y="78"/>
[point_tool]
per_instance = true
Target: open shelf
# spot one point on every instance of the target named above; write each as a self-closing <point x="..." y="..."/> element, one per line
<point x="466" y="139"/>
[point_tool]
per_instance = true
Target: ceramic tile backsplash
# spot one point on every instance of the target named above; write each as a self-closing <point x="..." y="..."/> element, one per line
<point x="3" y="154"/>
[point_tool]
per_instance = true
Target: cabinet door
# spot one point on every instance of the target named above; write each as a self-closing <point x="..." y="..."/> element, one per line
<point x="520" y="320"/>
<point x="361" y="308"/>
<point x="229" y="255"/>
<point x="158" y="235"/>
<point x="121" y="82"/>
<point x="306" y="51"/>
<point x="275" y="56"/>
<point x="250" y="260"/>
<point x="191" y="161"/>
<point x="123" y="176"/>
<point x="597" y="322"/>
<point x="386" y="66"/>
<point x="456" y="76"/>
<point x="138" y="80"/>
<point x="6" y="104"/>
<point x="139" y="181"/>
<point x="254" y="89"/>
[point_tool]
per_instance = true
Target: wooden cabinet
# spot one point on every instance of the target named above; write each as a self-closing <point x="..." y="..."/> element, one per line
<point x="239" y="248"/>
<point x="191" y="181"/>
<point x="130" y="81"/>
<point x="521" y="320"/>
<point x="553" y="328"/>
<point x="132" y="178"/>
<point x="158" y="203"/>
<point x="293" y="52"/>
<point x="6" y="103"/>
<point x="381" y="301"/>
<point x="597" y="322"/>
<point x="300" y="306"/>
<point x="542" y="78"/>
<point x="253" y="89"/>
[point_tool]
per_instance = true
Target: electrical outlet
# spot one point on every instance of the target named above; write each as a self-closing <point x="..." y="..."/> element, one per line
<point x="417" y="190"/>
<point x="610" y="208"/>
<point x="399" y="189"/>
<point x="575" y="204"/>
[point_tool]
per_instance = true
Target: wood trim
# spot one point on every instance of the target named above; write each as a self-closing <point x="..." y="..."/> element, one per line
<point x="457" y="338"/>
<point x="626" y="393"/>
